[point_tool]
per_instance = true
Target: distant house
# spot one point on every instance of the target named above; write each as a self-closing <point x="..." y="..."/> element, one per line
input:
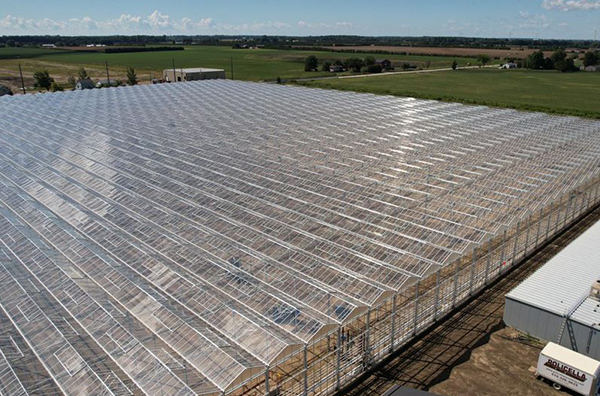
<point x="336" y="68"/>
<point x="84" y="84"/>
<point x="593" y="68"/>
<point x="385" y="64"/>
<point x="509" y="65"/>
<point x="49" y="45"/>
<point x="195" y="74"/>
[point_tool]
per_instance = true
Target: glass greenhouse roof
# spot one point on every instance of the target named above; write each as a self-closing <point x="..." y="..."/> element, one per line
<point x="180" y="238"/>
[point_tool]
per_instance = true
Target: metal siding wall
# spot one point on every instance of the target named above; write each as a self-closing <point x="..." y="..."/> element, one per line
<point x="546" y="326"/>
<point x="532" y="320"/>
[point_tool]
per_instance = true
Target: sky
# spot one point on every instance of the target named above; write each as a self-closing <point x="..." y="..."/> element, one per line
<point x="560" y="19"/>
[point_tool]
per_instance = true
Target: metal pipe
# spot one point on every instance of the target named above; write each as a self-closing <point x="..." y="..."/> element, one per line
<point x="337" y="358"/>
<point x="437" y="295"/>
<point x="393" y="324"/>
<point x="416" y="306"/>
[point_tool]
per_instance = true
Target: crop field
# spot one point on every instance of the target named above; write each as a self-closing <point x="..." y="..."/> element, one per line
<point x="548" y="91"/>
<point x="516" y="52"/>
<point x="249" y="64"/>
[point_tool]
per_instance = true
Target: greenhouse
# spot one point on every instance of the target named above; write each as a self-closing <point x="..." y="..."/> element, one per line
<point x="232" y="238"/>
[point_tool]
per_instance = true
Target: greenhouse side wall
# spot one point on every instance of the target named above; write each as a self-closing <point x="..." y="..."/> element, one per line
<point x="334" y="361"/>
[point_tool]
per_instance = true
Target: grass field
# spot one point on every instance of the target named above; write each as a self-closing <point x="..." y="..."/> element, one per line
<point x="252" y="65"/>
<point x="548" y="91"/>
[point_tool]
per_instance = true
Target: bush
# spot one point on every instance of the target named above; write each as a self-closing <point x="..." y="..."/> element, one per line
<point x="4" y="90"/>
<point x="54" y="87"/>
<point x="42" y="79"/>
<point x="374" y="69"/>
<point x="326" y="66"/>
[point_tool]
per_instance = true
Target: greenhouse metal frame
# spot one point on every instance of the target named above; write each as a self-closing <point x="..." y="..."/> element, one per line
<point x="231" y="238"/>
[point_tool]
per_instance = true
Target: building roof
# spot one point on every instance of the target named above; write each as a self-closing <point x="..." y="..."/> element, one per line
<point x="198" y="225"/>
<point x="563" y="284"/>
<point x="196" y="70"/>
<point x="571" y="358"/>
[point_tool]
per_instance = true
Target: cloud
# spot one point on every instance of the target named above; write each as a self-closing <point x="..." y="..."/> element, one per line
<point x="571" y="5"/>
<point x="156" y="22"/>
<point x="533" y="22"/>
<point x="13" y="23"/>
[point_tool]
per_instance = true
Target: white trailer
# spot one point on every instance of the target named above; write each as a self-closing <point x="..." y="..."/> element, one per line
<point x="569" y="369"/>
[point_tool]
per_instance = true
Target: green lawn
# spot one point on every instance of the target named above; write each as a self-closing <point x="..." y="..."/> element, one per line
<point x="253" y="65"/>
<point x="548" y="91"/>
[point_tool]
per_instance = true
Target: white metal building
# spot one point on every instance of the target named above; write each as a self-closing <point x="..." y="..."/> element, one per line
<point x="555" y="303"/>
<point x="199" y="73"/>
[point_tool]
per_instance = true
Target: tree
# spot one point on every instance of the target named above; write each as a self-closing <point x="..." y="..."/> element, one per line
<point x="483" y="59"/>
<point x="354" y="64"/>
<point x="427" y="64"/>
<point x="454" y="65"/>
<point x="278" y="80"/>
<point x="43" y="79"/>
<point x="131" y="76"/>
<point x="311" y="63"/>
<point x="326" y="66"/>
<point x="567" y="65"/>
<point x="71" y="80"/>
<point x="591" y="58"/>
<point x="82" y="74"/>
<point x="405" y="66"/>
<point x="558" y="56"/>
<point x="369" y="60"/>
<point x="536" y="60"/>
<point x="374" y="69"/>
<point x="10" y="43"/>
<point x="54" y="87"/>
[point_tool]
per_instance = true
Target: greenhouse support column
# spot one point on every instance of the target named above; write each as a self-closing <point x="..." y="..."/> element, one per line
<point x="514" y="255"/>
<point x="489" y="262"/>
<point x="337" y="358"/>
<point x="549" y="221"/>
<point x="437" y="295"/>
<point x="472" y="272"/>
<point x="537" y="235"/>
<point x="267" y="380"/>
<point x="455" y="292"/>
<point x="527" y="236"/>
<point x="305" y="369"/>
<point x="367" y="336"/>
<point x="393" y="319"/>
<point x="416" y="307"/>
<point x="503" y="253"/>
<point x="567" y="211"/>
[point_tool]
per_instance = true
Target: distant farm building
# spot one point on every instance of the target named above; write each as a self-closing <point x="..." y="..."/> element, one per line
<point x="595" y="68"/>
<point x="194" y="74"/>
<point x="509" y="65"/>
<point x="336" y="68"/>
<point x="84" y="84"/>
<point x="48" y="45"/>
<point x="384" y="63"/>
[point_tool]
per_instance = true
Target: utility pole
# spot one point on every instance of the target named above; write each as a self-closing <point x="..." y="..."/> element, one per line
<point x="595" y="34"/>
<point x="232" y="67"/>
<point x="174" y="78"/>
<point x="107" y="75"/>
<point x="22" y="81"/>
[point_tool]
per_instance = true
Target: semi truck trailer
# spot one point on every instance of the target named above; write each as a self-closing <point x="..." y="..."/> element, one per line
<point x="569" y="369"/>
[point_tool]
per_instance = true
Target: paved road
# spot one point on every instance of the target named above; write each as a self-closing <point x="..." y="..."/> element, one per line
<point x="389" y="73"/>
<point x="429" y="361"/>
